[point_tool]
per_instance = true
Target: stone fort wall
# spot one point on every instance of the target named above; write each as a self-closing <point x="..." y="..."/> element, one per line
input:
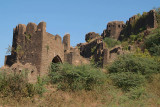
<point x="33" y="45"/>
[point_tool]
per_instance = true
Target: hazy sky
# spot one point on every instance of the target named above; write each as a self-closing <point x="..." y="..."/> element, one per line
<point x="76" y="17"/>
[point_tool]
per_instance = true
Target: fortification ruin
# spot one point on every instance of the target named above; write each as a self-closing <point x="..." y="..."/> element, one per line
<point x="114" y="29"/>
<point x="34" y="46"/>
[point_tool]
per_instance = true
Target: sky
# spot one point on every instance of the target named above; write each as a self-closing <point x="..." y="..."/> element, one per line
<point x="77" y="17"/>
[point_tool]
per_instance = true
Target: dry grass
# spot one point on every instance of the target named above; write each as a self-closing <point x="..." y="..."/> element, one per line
<point x="104" y="97"/>
<point x="154" y="86"/>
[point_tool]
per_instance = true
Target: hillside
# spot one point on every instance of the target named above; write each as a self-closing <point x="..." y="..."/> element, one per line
<point x="129" y="76"/>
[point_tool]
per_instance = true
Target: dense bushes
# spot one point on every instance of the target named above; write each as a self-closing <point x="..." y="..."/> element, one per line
<point x="135" y="63"/>
<point x="131" y="70"/>
<point x="127" y="80"/>
<point x="111" y="42"/>
<point x="158" y="15"/>
<point x="127" y="72"/>
<point x="69" y="77"/>
<point x="16" y="85"/>
<point x="152" y="43"/>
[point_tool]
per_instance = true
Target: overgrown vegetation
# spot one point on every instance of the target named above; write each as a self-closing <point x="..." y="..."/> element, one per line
<point x="129" y="82"/>
<point x="110" y="43"/>
<point x="158" y="15"/>
<point x="16" y="85"/>
<point x="133" y="30"/>
<point x="28" y="37"/>
<point x="152" y="42"/>
<point x="69" y="77"/>
<point x="132" y="70"/>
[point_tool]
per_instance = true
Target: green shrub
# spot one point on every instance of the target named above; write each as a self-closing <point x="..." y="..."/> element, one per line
<point x="14" y="85"/>
<point x="127" y="80"/>
<point x="125" y="45"/>
<point x="135" y="63"/>
<point x="111" y="42"/>
<point x="133" y="38"/>
<point x="39" y="86"/>
<point x="132" y="70"/>
<point x="137" y="93"/>
<point x="158" y="15"/>
<point x="152" y="43"/>
<point x="69" y="77"/>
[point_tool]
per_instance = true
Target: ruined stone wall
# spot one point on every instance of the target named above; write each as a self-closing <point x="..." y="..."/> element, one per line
<point x="27" y="45"/>
<point x="74" y="57"/>
<point x="66" y="42"/>
<point x="33" y="45"/>
<point x="94" y="50"/>
<point x="139" y="23"/>
<point x="147" y="20"/>
<point x="52" y="47"/>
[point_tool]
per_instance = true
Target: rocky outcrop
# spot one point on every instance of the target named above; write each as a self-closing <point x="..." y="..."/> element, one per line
<point x="90" y="36"/>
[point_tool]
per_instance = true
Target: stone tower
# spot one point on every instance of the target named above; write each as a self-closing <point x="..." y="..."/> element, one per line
<point x="66" y="42"/>
<point x="113" y="29"/>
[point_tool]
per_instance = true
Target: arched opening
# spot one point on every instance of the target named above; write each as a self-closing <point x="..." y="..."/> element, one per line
<point x="57" y="59"/>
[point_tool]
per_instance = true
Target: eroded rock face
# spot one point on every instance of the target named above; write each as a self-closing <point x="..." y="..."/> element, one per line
<point x="90" y="36"/>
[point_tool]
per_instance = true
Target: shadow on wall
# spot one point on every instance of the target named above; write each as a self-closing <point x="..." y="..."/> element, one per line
<point x="57" y="59"/>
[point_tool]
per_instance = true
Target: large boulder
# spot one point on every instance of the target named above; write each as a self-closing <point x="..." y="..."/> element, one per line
<point x="90" y="36"/>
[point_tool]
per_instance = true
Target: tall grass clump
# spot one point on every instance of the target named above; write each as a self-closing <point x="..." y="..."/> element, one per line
<point x="69" y="77"/>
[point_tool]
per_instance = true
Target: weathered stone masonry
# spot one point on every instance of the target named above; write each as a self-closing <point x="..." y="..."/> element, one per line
<point x="33" y="46"/>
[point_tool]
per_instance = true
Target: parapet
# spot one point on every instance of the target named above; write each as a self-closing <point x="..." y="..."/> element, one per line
<point x="115" y="24"/>
<point x="58" y="38"/>
<point x="133" y="19"/>
<point x="31" y="28"/>
<point x="41" y="27"/>
<point x="20" y="29"/>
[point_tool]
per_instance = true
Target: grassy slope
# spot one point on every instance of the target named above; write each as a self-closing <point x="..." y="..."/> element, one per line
<point x="107" y="95"/>
<point x="110" y="97"/>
